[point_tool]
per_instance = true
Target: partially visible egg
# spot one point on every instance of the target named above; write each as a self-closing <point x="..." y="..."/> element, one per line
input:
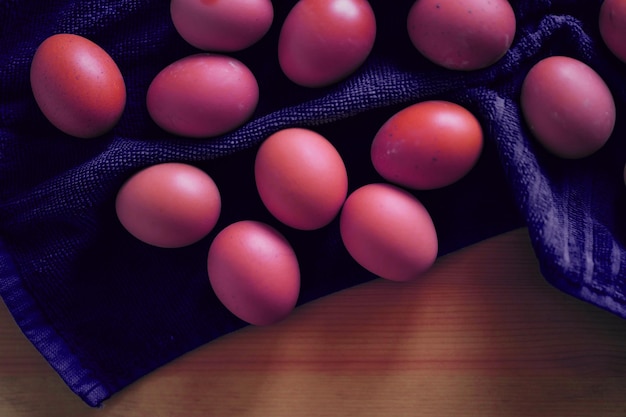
<point x="568" y="107"/>
<point x="389" y="232"/>
<point x="427" y="145"/>
<point x="301" y="178"/>
<point x="203" y="95"/>
<point x="169" y="205"/>
<point x="324" y="41"/>
<point x="77" y="85"/>
<point x="222" y="25"/>
<point x="254" y="272"/>
<point x="613" y="26"/>
<point x="462" y="34"/>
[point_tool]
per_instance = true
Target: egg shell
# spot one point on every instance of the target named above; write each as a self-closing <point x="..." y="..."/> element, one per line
<point x="203" y="95"/>
<point x="612" y="24"/>
<point x="254" y="272"/>
<point x="213" y="25"/>
<point x="427" y="145"/>
<point x="301" y="178"/>
<point x="324" y="41"/>
<point x="389" y="232"/>
<point x="568" y="107"/>
<point x="169" y="205"/>
<point x="77" y="85"/>
<point x="462" y="34"/>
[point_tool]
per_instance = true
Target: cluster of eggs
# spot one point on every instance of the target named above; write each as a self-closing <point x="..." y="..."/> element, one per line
<point x="300" y="176"/>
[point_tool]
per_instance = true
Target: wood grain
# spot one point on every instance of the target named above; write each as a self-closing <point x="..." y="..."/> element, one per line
<point x="482" y="334"/>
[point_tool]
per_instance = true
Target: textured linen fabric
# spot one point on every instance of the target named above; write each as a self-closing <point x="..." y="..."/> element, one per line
<point x="105" y="309"/>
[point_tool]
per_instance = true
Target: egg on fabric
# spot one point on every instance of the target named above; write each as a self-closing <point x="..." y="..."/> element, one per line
<point x="462" y="34"/>
<point x="77" y="85"/>
<point x="203" y="95"/>
<point x="169" y="205"/>
<point x="389" y="232"/>
<point x="301" y="178"/>
<point x="254" y="272"/>
<point x="568" y="107"/>
<point x="613" y="26"/>
<point x="227" y="25"/>
<point x="324" y="41"/>
<point x="427" y="145"/>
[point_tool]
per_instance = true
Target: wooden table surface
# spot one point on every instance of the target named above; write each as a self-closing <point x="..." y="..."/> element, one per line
<point x="482" y="334"/>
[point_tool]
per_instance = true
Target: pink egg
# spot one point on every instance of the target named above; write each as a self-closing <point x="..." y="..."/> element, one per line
<point x="388" y="232"/>
<point x="77" y="85"/>
<point x="324" y="41"/>
<point x="301" y="178"/>
<point x="462" y="34"/>
<point x="169" y="205"/>
<point x="613" y="26"/>
<point x="568" y="107"/>
<point x="213" y="25"/>
<point x="254" y="272"/>
<point x="427" y="145"/>
<point x="203" y="95"/>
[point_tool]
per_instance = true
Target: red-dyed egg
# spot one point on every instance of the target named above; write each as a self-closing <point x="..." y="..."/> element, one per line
<point x="228" y="25"/>
<point x="427" y="145"/>
<point x="568" y="107"/>
<point x="613" y="26"/>
<point x="301" y="178"/>
<point x="169" y="205"/>
<point x="388" y="232"/>
<point x="203" y="95"/>
<point x="462" y="34"/>
<point x="323" y="41"/>
<point x="254" y="272"/>
<point x="77" y="85"/>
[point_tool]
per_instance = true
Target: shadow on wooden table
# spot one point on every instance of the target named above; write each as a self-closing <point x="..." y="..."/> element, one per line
<point x="481" y="334"/>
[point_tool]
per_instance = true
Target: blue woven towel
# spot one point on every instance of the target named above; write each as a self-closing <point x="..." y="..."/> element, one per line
<point x="105" y="309"/>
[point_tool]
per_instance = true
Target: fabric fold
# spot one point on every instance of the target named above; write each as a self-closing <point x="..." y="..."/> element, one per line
<point x="105" y="309"/>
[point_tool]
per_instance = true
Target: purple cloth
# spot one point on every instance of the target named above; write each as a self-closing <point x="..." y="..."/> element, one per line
<point x="105" y="309"/>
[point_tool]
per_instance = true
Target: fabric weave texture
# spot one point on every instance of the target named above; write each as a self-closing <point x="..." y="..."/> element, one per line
<point x="105" y="309"/>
